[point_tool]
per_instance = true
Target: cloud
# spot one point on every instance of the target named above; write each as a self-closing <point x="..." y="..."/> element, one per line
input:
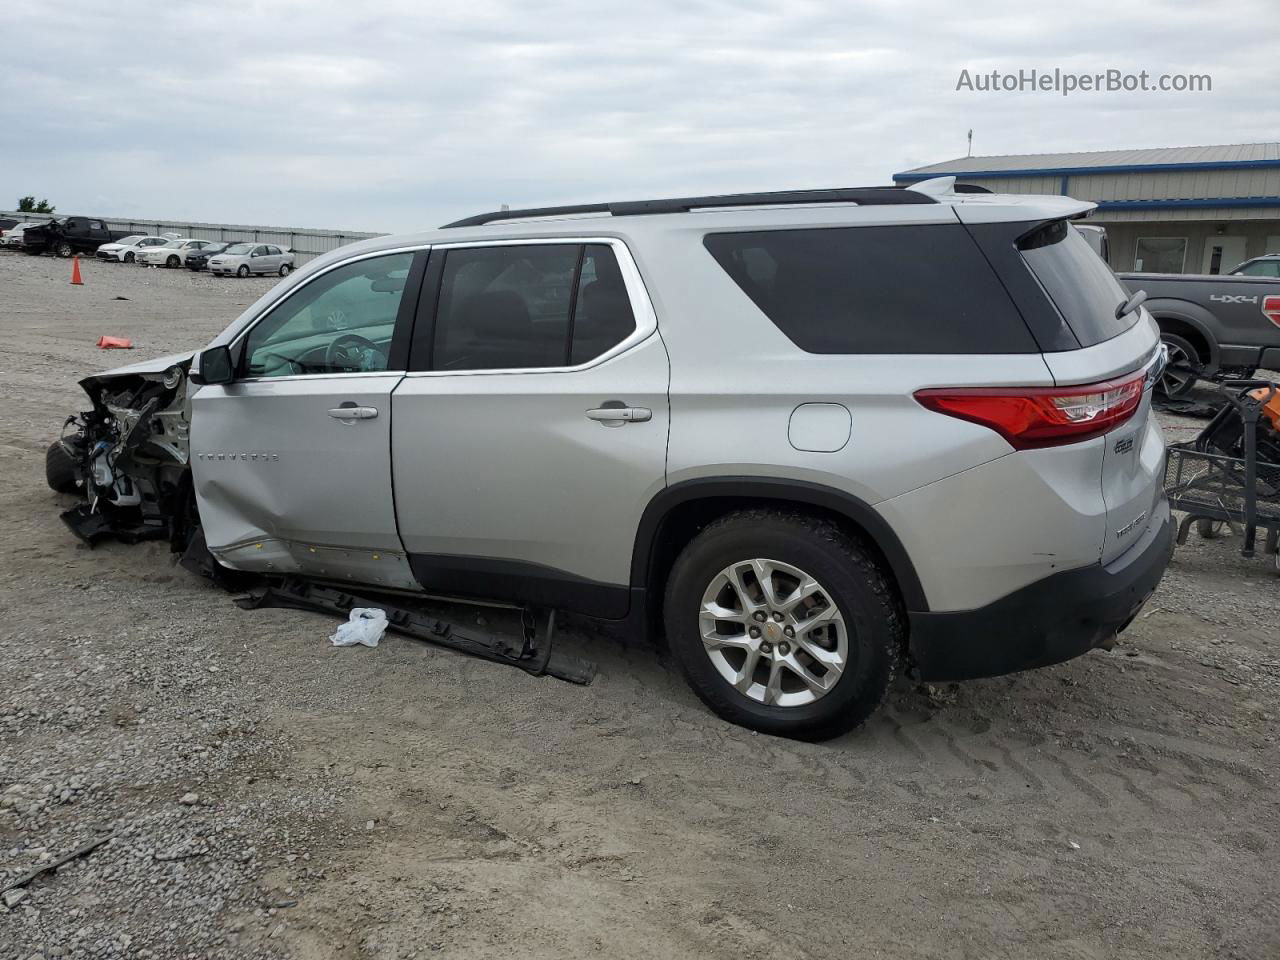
<point x="400" y="116"/>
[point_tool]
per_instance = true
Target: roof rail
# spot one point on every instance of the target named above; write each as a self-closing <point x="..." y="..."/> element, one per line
<point x="864" y="196"/>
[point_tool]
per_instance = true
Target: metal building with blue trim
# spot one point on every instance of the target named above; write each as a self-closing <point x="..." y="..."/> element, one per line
<point x="1166" y="210"/>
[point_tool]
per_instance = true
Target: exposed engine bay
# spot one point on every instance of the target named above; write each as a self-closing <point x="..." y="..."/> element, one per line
<point x="128" y="457"/>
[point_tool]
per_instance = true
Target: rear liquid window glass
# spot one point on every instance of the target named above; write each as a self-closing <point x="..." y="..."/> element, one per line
<point x="855" y="290"/>
<point x="1078" y="281"/>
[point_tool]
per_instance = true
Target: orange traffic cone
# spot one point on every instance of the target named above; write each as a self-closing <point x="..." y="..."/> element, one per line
<point x="75" y="272"/>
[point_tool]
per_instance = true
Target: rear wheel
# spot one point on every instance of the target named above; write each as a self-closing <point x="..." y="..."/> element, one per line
<point x="284" y="269"/>
<point x="243" y="271"/>
<point x="63" y="250"/>
<point x="783" y="623"/>
<point x="1184" y="360"/>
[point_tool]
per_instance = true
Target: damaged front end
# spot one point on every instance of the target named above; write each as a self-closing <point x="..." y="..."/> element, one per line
<point x="128" y="457"/>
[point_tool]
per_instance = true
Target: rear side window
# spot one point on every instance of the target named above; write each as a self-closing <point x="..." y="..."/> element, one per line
<point x="860" y="290"/>
<point x="1079" y="283"/>
<point x="529" y="307"/>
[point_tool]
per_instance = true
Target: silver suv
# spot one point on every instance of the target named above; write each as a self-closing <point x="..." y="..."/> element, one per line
<point x="819" y="436"/>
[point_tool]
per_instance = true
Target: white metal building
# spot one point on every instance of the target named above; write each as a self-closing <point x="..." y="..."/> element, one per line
<point x="1166" y="210"/>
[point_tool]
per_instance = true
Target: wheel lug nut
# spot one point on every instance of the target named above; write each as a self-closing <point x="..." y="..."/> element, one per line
<point x="789" y="631"/>
<point x="777" y="615"/>
<point x="758" y="615"/>
<point x="754" y="633"/>
<point x="784" y="648"/>
<point x="766" y="647"/>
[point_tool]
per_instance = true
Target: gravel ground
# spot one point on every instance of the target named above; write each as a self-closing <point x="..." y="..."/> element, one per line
<point x="262" y="794"/>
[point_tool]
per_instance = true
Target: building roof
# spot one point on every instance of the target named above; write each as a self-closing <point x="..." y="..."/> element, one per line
<point x="1232" y="156"/>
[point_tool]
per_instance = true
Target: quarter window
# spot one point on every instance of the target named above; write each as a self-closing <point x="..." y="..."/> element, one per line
<point x="891" y="290"/>
<point x="341" y="322"/>
<point x="529" y="307"/>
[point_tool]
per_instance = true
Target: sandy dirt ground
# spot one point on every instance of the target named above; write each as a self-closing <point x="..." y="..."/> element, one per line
<point x="263" y="794"/>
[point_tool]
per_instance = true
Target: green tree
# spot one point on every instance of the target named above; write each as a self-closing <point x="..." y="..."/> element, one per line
<point x="29" y="205"/>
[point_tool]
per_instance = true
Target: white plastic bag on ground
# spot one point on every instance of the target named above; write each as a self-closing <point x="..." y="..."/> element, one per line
<point x="366" y="625"/>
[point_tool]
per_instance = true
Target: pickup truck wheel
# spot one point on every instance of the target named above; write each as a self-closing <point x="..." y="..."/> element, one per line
<point x="1179" y="376"/>
<point x="64" y="250"/>
<point x="61" y="467"/>
<point x="243" y="271"/>
<point x="783" y="623"/>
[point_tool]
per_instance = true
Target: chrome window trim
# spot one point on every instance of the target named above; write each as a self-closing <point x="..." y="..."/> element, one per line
<point x="641" y="306"/>
<point x="240" y="336"/>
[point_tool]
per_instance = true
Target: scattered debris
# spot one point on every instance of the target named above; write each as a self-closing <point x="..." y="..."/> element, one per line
<point x="80" y="851"/>
<point x="1073" y="845"/>
<point x="114" y="343"/>
<point x="189" y="799"/>
<point x="119" y="298"/>
<point x="365" y="626"/>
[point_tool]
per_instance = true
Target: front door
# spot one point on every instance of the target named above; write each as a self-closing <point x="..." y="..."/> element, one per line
<point x="1222" y="253"/>
<point x="291" y="460"/>
<point x="531" y="431"/>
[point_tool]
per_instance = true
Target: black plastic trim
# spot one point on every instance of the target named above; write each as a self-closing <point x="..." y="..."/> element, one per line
<point x="775" y="488"/>
<point x="1054" y="619"/>
<point x="517" y="581"/>
<point x="422" y="339"/>
<point x="863" y="196"/>
<point x="402" y="333"/>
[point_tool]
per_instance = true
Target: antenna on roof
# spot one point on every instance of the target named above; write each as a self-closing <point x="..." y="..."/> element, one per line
<point x="970" y="152"/>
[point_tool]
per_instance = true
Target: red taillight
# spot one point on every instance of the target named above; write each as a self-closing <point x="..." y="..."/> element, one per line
<point x="1031" y="417"/>
<point x="1271" y="309"/>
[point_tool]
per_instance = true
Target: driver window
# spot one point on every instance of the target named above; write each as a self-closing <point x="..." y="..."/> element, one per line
<point x="341" y="322"/>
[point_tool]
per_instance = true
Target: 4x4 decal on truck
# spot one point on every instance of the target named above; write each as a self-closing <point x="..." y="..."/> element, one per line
<point x="1231" y="298"/>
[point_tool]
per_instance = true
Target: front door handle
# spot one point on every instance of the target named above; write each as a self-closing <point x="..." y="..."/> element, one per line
<point x="352" y="412"/>
<point x="617" y="416"/>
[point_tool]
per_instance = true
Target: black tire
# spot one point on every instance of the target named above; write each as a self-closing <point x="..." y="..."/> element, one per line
<point x="63" y="250"/>
<point x="61" y="467"/>
<point x="1181" y="352"/>
<point x="128" y="257"/>
<point x="845" y="568"/>
<point x="284" y="269"/>
<point x="173" y="261"/>
<point x="1208" y="528"/>
<point x="243" y="271"/>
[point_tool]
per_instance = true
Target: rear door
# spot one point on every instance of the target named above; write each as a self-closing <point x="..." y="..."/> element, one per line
<point x="531" y="430"/>
<point x="291" y="461"/>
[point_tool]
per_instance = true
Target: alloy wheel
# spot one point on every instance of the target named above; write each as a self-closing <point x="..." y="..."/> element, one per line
<point x="1177" y="377"/>
<point x="773" y="632"/>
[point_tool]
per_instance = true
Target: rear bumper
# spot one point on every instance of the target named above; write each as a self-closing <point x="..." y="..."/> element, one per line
<point x="1054" y="619"/>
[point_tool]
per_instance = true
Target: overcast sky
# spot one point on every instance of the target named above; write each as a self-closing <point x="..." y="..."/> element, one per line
<point x="397" y="116"/>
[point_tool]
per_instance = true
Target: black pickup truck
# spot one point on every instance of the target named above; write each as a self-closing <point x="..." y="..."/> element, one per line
<point x="67" y="235"/>
<point x="1216" y="326"/>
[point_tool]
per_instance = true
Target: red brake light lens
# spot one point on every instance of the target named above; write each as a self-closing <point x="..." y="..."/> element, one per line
<point x="1030" y="417"/>
<point x="1271" y="309"/>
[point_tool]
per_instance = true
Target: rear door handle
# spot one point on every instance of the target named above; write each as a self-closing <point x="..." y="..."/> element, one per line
<point x="353" y="412"/>
<point x="618" y="416"/>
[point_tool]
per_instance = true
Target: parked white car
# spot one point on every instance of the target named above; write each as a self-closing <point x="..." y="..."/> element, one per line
<point x="13" y="236"/>
<point x="126" y="250"/>
<point x="243" y="259"/>
<point x="170" y="254"/>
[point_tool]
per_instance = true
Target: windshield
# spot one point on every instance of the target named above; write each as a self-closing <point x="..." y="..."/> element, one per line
<point x="133" y="239"/>
<point x="173" y="243"/>
<point x="1078" y="281"/>
<point x="239" y="248"/>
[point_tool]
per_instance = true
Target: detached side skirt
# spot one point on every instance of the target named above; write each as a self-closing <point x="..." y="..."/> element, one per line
<point x="533" y="655"/>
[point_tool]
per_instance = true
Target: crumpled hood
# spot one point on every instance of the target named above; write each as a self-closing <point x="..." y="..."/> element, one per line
<point x="158" y="365"/>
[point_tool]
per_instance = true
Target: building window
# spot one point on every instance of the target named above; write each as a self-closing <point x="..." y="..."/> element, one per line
<point x="1160" y="255"/>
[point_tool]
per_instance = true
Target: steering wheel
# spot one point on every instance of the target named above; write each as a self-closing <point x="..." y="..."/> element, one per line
<point x="350" y="352"/>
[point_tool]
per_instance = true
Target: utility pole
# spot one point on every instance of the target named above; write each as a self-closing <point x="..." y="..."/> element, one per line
<point x="970" y="151"/>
